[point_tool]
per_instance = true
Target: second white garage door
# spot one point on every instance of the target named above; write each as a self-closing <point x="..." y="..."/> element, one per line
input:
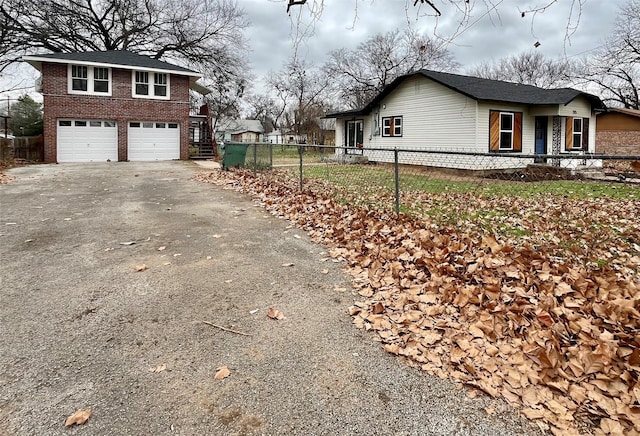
<point x="153" y="141"/>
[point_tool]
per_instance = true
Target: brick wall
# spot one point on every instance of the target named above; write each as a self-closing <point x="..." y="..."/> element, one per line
<point x="120" y="107"/>
<point x="618" y="142"/>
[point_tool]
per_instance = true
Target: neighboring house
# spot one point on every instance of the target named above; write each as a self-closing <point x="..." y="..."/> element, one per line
<point x="435" y="111"/>
<point x="274" y="137"/>
<point x="114" y="105"/>
<point x="285" y="137"/>
<point x="240" y="131"/>
<point x="618" y="132"/>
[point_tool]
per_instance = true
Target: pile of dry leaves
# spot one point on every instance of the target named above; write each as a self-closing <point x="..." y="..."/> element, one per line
<point x="547" y="319"/>
<point x="3" y="177"/>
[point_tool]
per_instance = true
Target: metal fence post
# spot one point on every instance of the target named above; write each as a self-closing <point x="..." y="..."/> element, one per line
<point x="255" y="159"/>
<point x="396" y="174"/>
<point x="270" y="156"/>
<point x="300" y="154"/>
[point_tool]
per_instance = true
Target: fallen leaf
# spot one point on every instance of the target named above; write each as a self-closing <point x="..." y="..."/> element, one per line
<point x="78" y="418"/>
<point x="275" y="314"/>
<point x="254" y="311"/>
<point x="162" y="248"/>
<point x="141" y="267"/>
<point x="222" y="372"/>
<point x="325" y="271"/>
<point x="288" y="264"/>
<point x="159" y="368"/>
<point x="128" y="243"/>
<point x="216" y="236"/>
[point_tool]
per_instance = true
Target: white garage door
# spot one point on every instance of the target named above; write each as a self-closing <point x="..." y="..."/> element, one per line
<point x="87" y="141"/>
<point x="154" y="141"/>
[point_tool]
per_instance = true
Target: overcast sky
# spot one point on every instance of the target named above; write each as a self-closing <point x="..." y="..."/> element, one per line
<point x="492" y="34"/>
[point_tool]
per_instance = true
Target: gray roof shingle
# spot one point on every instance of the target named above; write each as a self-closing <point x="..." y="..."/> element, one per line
<point x="114" y="57"/>
<point x="486" y="90"/>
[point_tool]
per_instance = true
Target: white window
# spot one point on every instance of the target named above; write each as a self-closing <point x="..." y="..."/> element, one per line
<point x="100" y="79"/>
<point x="577" y="133"/>
<point x="506" y="131"/>
<point x="79" y="81"/>
<point x="142" y="83"/>
<point x="89" y="80"/>
<point x="151" y="85"/>
<point x="160" y="85"/>
<point x="392" y="126"/>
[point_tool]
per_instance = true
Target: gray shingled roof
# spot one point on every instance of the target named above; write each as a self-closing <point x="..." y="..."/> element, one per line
<point x="486" y="90"/>
<point x="114" y="57"/>
<point x="236" y="127"/>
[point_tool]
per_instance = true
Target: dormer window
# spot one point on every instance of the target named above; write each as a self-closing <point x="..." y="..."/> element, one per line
<point x="151" y="85"/>
<point x="89" y="80"/>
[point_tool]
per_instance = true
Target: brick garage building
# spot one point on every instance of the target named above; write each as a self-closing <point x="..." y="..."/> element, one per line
<point x="114" y="105"/>
<point x="618" y="132"/>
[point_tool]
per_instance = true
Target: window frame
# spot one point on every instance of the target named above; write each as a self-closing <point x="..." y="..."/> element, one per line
<point x="392" y="127"/>
<point x="502" y="130"/>
<point x="153" y="83"/>
<point x="575" y="134"/>
<point x="90" y="80"/>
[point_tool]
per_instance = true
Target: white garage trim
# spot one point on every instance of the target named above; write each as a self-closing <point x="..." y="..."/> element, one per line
<point x="157" y="140"/>
<point x="86" y="140"/>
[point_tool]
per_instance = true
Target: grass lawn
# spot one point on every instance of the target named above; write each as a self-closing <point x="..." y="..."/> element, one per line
<point x="377" y="176"/>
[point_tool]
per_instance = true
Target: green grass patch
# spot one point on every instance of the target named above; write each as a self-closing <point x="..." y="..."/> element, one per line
<point x="367" y="176"/>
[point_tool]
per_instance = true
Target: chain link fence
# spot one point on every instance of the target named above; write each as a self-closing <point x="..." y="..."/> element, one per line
<point x="402" y="179"/>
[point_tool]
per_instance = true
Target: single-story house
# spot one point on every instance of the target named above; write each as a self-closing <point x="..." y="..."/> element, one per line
<point x="436" y="111"/>
<point x="618" y="132"/>
<point x="285" y="137"/>
<point x="114" y="105"/>
<point x="240" y="131"/>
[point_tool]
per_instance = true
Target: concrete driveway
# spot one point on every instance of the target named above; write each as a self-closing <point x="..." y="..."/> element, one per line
<point x="81" y="328"/>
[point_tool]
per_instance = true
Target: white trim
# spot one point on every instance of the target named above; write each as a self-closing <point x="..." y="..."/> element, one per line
<point x="501" y="130"/>
<point x="574" y="134"/>
<point x="109" y="65"/>
<point x="90" y="81"/>
<point x="151" y="84"/>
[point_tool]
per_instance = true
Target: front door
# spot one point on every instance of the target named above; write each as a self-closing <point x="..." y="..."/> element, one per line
<point x="355" y="136"/>
<point x="541" y="138"/>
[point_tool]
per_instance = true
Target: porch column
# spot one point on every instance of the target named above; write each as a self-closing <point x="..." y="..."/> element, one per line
<point x="556" y="139"/>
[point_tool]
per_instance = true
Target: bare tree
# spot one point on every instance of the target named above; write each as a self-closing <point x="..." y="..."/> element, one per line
<point x="363" y="72"/>
<point x="263" y="107"/>
<point x="299" y="90"/>
<point x="615" y="67"/>
<point x="529" y="68"/>
<point x="465" y="12"/>
<point x="199" y="33"/>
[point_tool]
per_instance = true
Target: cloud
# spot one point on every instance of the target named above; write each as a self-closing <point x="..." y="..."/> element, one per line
<point x="492" y="34"/>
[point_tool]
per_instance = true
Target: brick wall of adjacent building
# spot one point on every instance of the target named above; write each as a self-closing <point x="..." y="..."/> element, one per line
<point x="618" y="142"/>
<point x="120" y="107"/>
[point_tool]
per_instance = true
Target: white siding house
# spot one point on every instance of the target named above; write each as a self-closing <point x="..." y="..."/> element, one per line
<point x="439" y="112"/>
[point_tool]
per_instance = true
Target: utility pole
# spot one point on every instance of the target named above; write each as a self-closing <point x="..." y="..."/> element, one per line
<point x="6" y="120"/>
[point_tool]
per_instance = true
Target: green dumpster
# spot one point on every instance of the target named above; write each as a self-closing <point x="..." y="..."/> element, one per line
<point x="234" y="155"/>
